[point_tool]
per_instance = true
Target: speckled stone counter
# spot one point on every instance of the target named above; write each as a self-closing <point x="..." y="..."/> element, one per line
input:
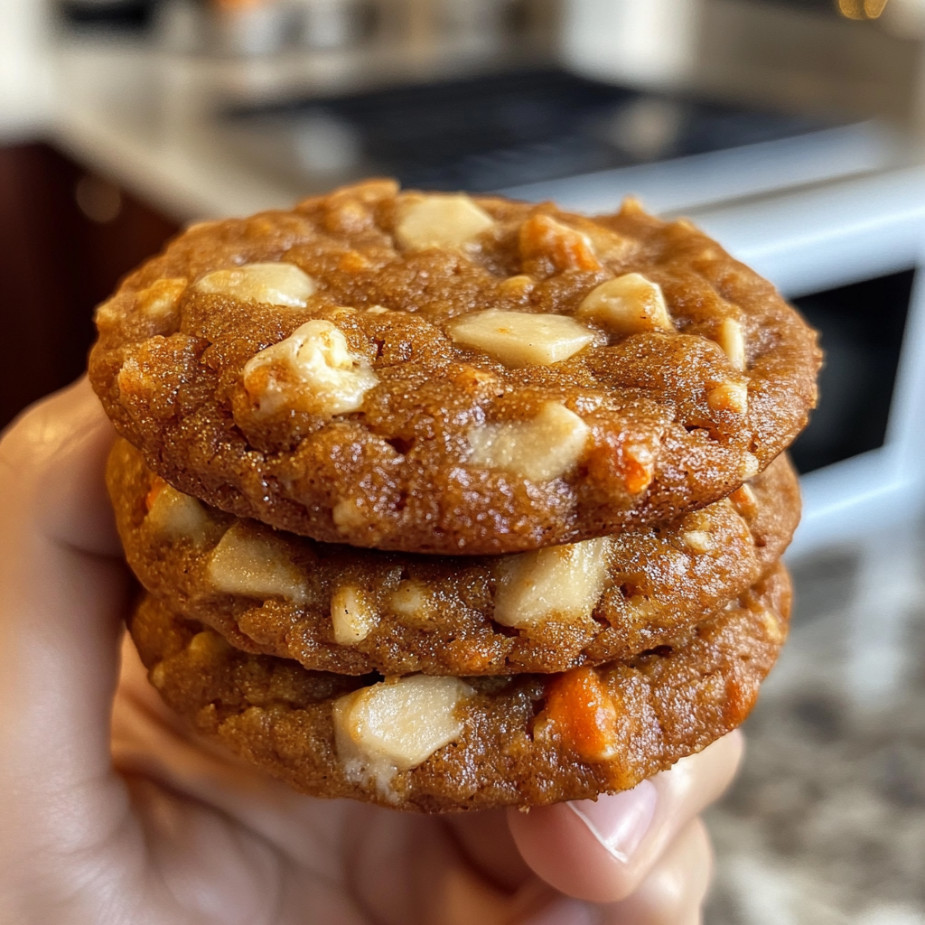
<point x="826" y="823"/>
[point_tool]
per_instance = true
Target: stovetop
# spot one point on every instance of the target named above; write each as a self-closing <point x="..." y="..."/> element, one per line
<point x="493" y="131"/>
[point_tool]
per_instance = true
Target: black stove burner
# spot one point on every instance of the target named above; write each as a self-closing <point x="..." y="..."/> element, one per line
<point x="489" y="132"/>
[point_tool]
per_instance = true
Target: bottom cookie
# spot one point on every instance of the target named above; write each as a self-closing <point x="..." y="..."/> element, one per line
<point x="441" y="744"/>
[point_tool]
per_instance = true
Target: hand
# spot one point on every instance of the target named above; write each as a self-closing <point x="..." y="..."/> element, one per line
<point x="141" y="822"/>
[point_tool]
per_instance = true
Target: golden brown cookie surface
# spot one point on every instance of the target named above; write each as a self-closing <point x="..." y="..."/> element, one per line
<point x="452" y="744"/>
<point x="449" y="374"/>
<point x="342" y="609"/>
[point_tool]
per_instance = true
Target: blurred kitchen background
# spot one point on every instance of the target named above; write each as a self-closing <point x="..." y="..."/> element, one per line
<point x="792" y="129"/>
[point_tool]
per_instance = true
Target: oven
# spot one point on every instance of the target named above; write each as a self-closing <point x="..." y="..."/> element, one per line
<point x="851" y="256"/>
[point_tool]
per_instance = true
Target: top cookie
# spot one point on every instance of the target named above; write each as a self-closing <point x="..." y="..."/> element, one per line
<point x="441" y="373"/>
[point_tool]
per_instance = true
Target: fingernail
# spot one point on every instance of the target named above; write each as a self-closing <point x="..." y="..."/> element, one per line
<point x="619" y="821"/>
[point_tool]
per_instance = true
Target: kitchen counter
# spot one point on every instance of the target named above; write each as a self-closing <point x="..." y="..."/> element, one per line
<point x="826" y="823"/>
<point x="152" y="119"/>
<point x="147" y="119"/>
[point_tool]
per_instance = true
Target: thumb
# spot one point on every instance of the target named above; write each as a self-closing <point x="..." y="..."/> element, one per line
<point x="62" y="594"/>
<point x="604" y="851"/>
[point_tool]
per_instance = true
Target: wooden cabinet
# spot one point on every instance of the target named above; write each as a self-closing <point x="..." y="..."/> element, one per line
<point x="66" y="237"/>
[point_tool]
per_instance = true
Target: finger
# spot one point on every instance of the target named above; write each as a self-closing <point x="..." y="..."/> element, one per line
<point x="52" y="459"/>
<point x="602" y="850"/>
<point x="486" y="841"/>
<point x="671" y="894"/>
<point x="61" y="601"/>
<point x="151" y="742"/>
<point x="675" y="888"/>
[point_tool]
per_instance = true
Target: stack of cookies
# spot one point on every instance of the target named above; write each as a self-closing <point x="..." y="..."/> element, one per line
<point x="444" y="502"/>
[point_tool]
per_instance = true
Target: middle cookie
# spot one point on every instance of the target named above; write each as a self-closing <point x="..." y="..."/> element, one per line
<point x="353" y="611"/>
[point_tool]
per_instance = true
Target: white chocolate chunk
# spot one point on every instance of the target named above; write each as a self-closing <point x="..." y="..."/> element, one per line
<point x="282" y="284"/>
<point x="750" y="466"/>
<point x="397" y="724"/>
<point x="744" y="500"/>
<point x="628" y="304"/>
<point x="347" y="515"/>
<point x="177" y="515"/>
<point x="773" y="627"/>
<point x="732" y="341"/>
<point x="521" y="338"/>
<point x="729" y="396"/>
<point x="519" y="286"/>
<point x="158" y="675"/>
<point x="557" y="583"/>
<point x="207" y="645"/>
<point x="311" y="370"/>
<point x="108" y="312"/>
<point x="352" y="615"/>
<point x="541" y="449"/>
<point x="159" y="300"/>
<point x="255" y="565"/>
<point x="410" y="599"/>
<point x="698" y="540"/>
<point x="450" y="221"/>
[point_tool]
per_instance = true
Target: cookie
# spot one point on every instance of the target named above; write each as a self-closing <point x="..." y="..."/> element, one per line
<point x="447" y="374"/>
<point x="343" y="609"/>
<point x="443" y="744"/>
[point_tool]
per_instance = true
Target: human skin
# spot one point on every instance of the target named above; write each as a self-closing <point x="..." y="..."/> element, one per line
<point x="112" y="811"/>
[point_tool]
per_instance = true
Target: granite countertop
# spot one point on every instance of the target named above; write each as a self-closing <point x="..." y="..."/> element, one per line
<point x="826" y="822"/>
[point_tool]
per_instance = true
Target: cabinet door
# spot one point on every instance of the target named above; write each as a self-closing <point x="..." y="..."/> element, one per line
<point x="66" y="237"/>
